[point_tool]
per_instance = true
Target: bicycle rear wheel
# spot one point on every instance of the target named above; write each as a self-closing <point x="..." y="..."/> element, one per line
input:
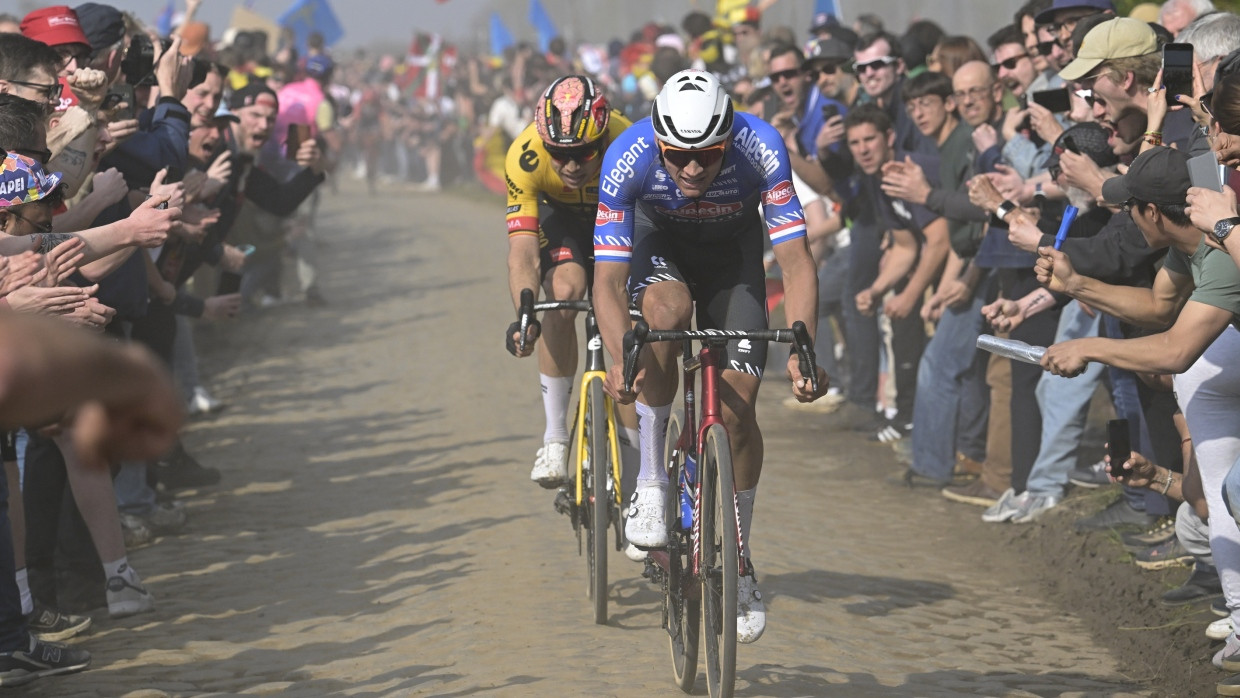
<point x="681" y="613"/>
<point x="599" y="510"/>
<point x="719" y="564"/>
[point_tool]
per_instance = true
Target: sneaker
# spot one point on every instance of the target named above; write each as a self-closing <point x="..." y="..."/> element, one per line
<point x="42" y="659"/>
<point x="750" y="611"/>
<point x="180" y="470"/>
<point x="1229" y="686"/>
<point x="1202" y="584"/>
<point x="892" y="432"/>
<point x="551" y="464"/>
<point x="166" y="518"/>
<point x="1008" y="506"/>
<point x="646" y="527"/>
<point x="137" y="534"/>
<point x="202" y="403"/>
<point x="1228" y="658"/>
<point x="1117" y="517"/>
<point x="127" y="596"/>
<point x="54" y="626"/>
<point x="975" y="493"/>
<point x="911" y="478"/>
<point x="1090" y="476"/>
<point x="1034" y="506"/>
<point x="1220" y="629"/>
<point x="1169" y="554"/>
<point x="1162" y="531"/>
<point x="1219" y="608"/>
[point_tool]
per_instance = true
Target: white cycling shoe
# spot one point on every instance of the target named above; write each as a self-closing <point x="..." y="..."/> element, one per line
<point x="750" y="611"/>
<point x="646" y="527"/>
<point x="551" y="464"/>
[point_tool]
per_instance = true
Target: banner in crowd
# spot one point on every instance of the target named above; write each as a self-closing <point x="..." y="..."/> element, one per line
<point x="305" y="17"/>
<point x="543" y="25"/>
<point x="501" y="38"/>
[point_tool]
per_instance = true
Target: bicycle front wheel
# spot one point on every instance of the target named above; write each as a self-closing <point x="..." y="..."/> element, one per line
<point x="719" y="563"/>
<point x="600" y="510"/>
<point x="682" y="614"/>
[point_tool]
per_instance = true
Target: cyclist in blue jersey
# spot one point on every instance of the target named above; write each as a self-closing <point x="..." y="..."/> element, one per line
<point x="679" y="224"/>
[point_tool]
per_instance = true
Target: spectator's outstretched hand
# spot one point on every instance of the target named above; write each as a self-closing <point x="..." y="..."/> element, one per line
<point x="1207" y="207"/>
<point x="47" y="300"/>
<point x="1054" y="271"/>
<point x="223" y="307"/>
<point x="64" y="259"/>
<point x="23" y="269"/>
<point x="149" y="225"/>
<point x="309" y="155"/>
<point x="1065" y="359"/>
<point x="92" y="315"/>
<point x="1137" y="471"/>
<point x="140" y="428"/>
<point x="109" y="185"/>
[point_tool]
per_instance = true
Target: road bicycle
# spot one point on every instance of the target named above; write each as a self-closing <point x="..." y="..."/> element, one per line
<point x="593" y="498"/>
<point x="704" y="556"/>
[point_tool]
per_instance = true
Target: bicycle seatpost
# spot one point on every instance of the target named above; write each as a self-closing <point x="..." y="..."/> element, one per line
<point x="633" y="341"/>
<point x="801" y="341"/>
<point x="525" y="315"/>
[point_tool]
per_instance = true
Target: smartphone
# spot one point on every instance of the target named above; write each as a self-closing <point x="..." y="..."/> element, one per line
<point x="1055" y="101"/>
<point x="118" y="94"/>
<point x="1177" y="65"/>
<point x="297" y="134"/>
<point x="1118" y="445"/>
<point x="246" y="250"/>
<point x="829" y="111"/>
<point x="1204" y="171"/>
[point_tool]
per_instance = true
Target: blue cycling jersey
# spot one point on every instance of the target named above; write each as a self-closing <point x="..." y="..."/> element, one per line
<point x="755" y="170"/>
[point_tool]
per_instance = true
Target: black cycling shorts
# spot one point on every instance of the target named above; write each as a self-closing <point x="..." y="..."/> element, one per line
<point x="725" y="279"/>
<point x="8" y="446"/>
<point x="564" y="238"/>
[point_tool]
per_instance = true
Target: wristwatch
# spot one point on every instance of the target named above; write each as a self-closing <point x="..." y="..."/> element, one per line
<point x="1038" y="194"/>
<point x="1004" y="209"/>
<point x="1224" y="227"/>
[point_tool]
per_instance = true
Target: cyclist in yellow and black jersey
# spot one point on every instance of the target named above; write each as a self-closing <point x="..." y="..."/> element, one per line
<point x="552" y="172"/>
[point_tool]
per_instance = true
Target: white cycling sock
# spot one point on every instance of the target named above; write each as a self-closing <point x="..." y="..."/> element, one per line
<point x="652" y="432"/>
<point x="744" y="514"/>
<point x="555" y="391"/>
<point x="23" y="587"/>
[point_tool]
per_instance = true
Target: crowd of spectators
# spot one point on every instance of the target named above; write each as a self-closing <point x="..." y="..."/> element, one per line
<point x="934" y="173"/>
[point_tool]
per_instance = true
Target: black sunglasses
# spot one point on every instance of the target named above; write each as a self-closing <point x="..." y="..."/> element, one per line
<point x="1009" y="64"/>
<point x="876" y="64"/>
<point x="582" y="154"/>
<point x="42" y="156"/>
<point x="41" y="227"/>
<point x="53" y="90"/>
<point x="1045" y="48"/>
<point x="790" y="74"/>
<point x="824" y="69"/>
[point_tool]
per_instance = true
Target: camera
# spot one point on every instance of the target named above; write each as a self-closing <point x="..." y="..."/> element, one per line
<point x="138" y="65"/>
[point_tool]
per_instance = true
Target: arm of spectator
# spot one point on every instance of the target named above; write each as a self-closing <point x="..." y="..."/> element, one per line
<point x="1173" y="351"/>
<point x="63" y="260"/>
<point x="280" y="199"/>
<point x="120" y="131"/>
<point x="1082" y="172"/>
<point x="172" y="71"/>
<point x="1155" y="307"/>
<point x="195" y="221"/>
<point x="108" y="246"/>
<point x="48" y="300"/>
<point x="1044" y="123"/>
<point x="822" y="222"/>
<point x="91" y="315"/>
<point x="929" y="264"/>
<point x="191" y="11"/>
<point x="227" y="257"/>
<point x="906" y="180"/>
<point x="223" y="307"/>
<point x="22" y="270"/>
<point x="161" y="289"/>
<point x="954" y="288"/>
<point x="127" y="408"/>
<point x="1207" y="207"/>
<point x="218" y="175"/>
<point x="108" y="187"/>
<point x="896" y="263"/>
<point x="89" y="86"/>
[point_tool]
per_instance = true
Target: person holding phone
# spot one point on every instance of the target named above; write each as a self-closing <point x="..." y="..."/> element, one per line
<point x="801" y="110"/>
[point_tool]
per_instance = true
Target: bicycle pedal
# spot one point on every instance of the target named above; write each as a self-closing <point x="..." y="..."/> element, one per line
<point x="564" y="502"/>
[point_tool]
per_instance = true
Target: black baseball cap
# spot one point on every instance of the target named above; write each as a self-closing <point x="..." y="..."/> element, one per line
<point x="103" y="25"/>
<point x="255" y="92"/>
<point x="1158" y="176"/>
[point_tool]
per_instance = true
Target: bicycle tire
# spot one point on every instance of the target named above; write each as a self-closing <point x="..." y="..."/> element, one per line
<point x="600" y="512"/>
<point x="719" y="564"/>
<point x="683" y="614"/>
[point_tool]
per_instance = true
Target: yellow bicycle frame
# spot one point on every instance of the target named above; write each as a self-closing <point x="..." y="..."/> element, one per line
<point x="613" y="443"/>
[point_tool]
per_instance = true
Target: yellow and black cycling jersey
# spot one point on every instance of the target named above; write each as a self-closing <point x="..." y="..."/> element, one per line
<point x="532" y="181"/>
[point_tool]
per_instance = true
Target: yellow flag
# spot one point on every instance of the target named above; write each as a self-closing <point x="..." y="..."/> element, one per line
<point x="727" y="9"/>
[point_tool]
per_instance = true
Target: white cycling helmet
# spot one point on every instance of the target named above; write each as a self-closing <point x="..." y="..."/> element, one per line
<point x="692" y="111"/>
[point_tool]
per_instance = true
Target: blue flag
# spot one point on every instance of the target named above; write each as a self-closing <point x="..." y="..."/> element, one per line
<point x="827" y="6"/>
<point x="501" y="38"/>
<point x="543" y="25"/>
<point x="304" y="17"/>
<point x="164" y="23"/>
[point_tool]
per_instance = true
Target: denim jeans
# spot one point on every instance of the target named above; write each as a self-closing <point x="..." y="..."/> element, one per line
<point x="947" y="363"/>
<point x="863" y="348"/>
<point x="12" y="623"/>
<point x="1065" y="406"/>
<point x="830" y="292"/>
<point x="1128" y="406"/>
<point x="133" y="495"/>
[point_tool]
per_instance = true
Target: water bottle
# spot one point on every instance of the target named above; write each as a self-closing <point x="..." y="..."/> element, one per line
<point x="687" y="478"/>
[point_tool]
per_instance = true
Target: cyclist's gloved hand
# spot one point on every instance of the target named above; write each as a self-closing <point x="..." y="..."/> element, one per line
<point x="514" y="334"/>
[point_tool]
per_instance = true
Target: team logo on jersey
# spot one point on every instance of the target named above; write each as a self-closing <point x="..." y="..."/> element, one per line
<point x="779" y="195"/>
<point x="529" y="158"/>
<point x="560" y="254"/>
<point x="607" y="215"/>
<point x="660" y="176"/>
<point x="514" y="209"/>
<point x="744" y="346"/>
<point x="610" y="182"/>
<point x="704" y="209"/>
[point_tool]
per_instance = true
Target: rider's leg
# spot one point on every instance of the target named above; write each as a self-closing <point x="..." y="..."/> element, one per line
<point x="557" y="352"/>
<point x="738" y="395"/>
<point x="665" y="306"/>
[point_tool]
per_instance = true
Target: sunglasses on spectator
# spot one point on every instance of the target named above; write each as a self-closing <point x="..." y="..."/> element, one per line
<point x="824" y="69"/>
<point x="69" y="53"/>
<point x="1009" y="64"/>
<point x="1045" y="48"/>
<point x="876" y="64"/>
<point x="1087" y="95"/>
<point x="52" y="90"/>
<point x="580" y="155"/>
<point x="41" y="227"/>
<point x="974" y="92"/>
<point x="790" y="74"/>
<point x="681" y="157"/>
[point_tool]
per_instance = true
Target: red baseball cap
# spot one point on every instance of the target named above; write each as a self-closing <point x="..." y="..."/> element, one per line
<point x="54" y="26"/>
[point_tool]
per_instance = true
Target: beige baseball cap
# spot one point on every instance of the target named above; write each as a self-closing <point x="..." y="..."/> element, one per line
<point x="1122" y="37"/>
